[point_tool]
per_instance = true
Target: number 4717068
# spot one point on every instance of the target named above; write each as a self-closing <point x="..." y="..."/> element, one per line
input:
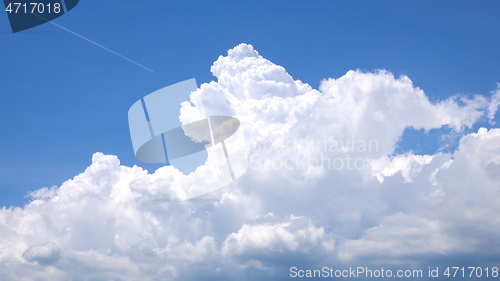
<point x="31" y="8"/>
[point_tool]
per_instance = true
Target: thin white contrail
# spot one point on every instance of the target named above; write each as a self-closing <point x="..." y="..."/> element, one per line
<point x="99" y="45"/>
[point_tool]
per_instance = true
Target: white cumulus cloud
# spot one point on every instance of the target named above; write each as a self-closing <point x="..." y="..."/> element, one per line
<point x="323" y="185"/>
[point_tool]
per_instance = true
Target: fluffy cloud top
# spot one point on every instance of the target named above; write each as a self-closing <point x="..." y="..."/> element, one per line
<point x="323" y="187"/>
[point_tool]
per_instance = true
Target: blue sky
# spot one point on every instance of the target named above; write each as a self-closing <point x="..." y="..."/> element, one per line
<point x="427" y="196"/>
<point x="64" y="98"/>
